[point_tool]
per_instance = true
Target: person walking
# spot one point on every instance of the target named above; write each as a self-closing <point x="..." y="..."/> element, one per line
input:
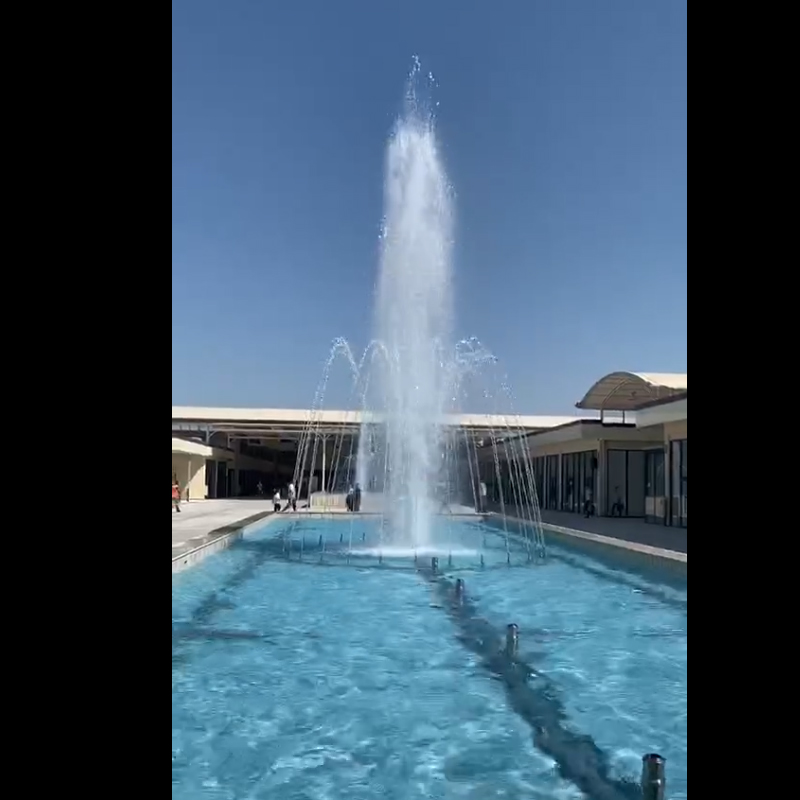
<point x="176" y="496"/>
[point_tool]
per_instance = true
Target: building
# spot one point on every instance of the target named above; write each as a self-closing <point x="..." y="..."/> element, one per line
<point x="632" y="461"/>
<point x="629" y="459"/>
<point x="229" y="452"/>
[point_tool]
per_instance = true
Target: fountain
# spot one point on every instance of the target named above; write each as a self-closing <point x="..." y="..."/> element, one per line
<point x="409" y="458"/>
<point x="413" y="310"/>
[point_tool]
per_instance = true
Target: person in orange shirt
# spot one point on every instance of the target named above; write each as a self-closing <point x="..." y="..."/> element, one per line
<point x="176" y="496"/>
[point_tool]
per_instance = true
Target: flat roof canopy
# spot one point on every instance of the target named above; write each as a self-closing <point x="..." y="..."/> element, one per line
<point x="629" y="391"/>
<point x="283" y="421"/>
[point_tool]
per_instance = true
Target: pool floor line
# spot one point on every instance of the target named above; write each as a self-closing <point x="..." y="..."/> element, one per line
<point x="650" y="591"/>
<point x="215" y="601"/>
<point x="534" y="698"/>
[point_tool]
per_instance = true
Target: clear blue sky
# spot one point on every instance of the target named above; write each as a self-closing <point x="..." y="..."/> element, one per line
<point x="564" y="130"/>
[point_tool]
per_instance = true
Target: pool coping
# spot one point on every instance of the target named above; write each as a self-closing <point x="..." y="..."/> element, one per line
<point x="633" y="553"/>
<point x="219" y="539"/>
<point x="657" y="552"/>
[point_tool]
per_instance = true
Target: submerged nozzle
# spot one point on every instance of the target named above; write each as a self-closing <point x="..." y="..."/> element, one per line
<point x="512" y="640"/>
<point x="653" y="777"/>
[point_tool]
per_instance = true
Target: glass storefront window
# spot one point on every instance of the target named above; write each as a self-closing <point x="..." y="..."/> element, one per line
<point x="684" y="482"/>
<point x="626" y="483"/>
<point x="552" y="499"/>
<point x="616" y="483"/>
<point x="538" y="474"/>
<point x="655" y="487"/>
<point x="578" y="482"/>
<point x="678" y="482"/>
<point x="674" y="482"/>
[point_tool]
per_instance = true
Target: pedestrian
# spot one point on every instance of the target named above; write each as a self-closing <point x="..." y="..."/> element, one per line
<point x="617" y="507"/>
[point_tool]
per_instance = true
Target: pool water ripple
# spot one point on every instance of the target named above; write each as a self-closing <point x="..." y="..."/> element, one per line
<point x="346" y="683"/>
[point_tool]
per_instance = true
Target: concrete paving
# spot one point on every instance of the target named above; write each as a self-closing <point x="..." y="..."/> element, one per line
<point x="198" y="518"/>
<point x="636" y="531"/>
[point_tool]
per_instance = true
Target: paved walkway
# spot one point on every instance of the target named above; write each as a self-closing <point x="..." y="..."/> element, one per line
<point x="199" y="518"/>
<point x="628" y="530"/>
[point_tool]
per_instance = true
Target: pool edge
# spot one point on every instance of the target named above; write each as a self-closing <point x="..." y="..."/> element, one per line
<point x="632" y="553"/>
<point x="217" y="540"/>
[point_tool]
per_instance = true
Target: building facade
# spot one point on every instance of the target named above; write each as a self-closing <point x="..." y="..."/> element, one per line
<point x="629" y="460"/>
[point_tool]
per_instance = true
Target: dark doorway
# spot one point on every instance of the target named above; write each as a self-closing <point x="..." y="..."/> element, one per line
<point x="222" y="479"/>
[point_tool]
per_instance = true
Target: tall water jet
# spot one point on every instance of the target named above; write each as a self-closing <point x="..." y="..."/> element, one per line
<point x="413" y="317"/>
<point x="411" y="375"/>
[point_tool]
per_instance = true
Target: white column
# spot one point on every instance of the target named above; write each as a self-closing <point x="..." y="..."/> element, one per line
<point x="324" y="486"/>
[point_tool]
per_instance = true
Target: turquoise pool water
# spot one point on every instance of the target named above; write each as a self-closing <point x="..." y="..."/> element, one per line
<point x="293" y="681"/>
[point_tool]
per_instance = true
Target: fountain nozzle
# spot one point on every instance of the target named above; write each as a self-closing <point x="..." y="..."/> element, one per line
<point x="512" y="640"/>
<point x="653" y="777"/>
